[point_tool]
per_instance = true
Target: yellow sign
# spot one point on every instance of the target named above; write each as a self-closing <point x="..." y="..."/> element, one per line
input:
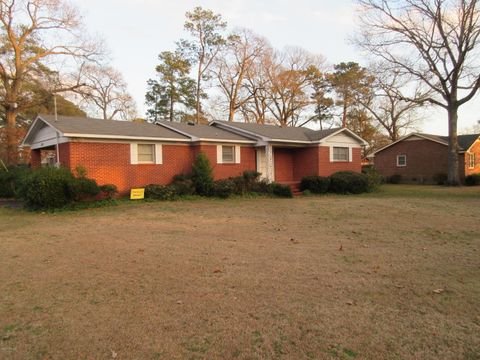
<point x="136" y="194"/>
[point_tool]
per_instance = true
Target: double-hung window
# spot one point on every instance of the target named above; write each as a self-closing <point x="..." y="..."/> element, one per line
<point x="401" y="160"/>
<point x="228" y="154"/>
<point x="471" y="160"/>
<point x="341" y="154"/>
<point x="146" y="153"/>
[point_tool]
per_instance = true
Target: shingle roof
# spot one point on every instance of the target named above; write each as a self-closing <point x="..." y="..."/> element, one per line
<point x="281" y="133"/>
<point x="89" y="126"/>
<point x="204" y="132"/>
<point x="464" y="141"/>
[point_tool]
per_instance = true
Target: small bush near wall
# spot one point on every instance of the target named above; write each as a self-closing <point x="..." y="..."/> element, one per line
<point x="202" y="175"/>
<point x="280" y="190"/>
<point x="472" y="180"/>
<point x="82" y="188"/>
<point x="348" y="182"/>
<point x="375" y="179"/>
<point x="224" y="188"/>
<point x="160" y="192"/>
<point x="183" y="185"/>
<point x="108" y="191"/>
<point x="315" y="184"/>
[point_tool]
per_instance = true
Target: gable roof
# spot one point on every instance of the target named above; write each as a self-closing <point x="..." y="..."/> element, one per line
<point x="283" y="134"/>
<point x="71" y="126"/>
<point x="199" y="132"/>
<point x="464" y="141"/>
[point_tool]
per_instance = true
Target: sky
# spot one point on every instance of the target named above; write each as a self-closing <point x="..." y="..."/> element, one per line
<point x="136" y="31"/>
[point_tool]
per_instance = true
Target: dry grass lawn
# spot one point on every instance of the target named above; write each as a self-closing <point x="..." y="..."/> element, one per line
<point x="330" y="277"/>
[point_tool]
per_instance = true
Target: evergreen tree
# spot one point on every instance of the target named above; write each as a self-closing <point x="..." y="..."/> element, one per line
<point x="172" y="94"/>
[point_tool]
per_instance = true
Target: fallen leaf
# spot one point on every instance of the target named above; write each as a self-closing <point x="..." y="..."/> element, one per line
<point x="114" y="354"/>
<point x="340" y="248"/>
<point x="439" y="291"/>
<point x="216" y="271"/>
<point x="179" y="302"/>
<point x="350" y="302"/>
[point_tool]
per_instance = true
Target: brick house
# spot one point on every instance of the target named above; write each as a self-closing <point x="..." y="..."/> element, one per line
<point x="421" y="158"/>
<point x="130" y="154"/>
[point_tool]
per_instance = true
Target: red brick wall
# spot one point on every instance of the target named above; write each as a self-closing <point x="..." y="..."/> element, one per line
<point x="109" y="163"/>
<point x="35" y="158"/>
<point x="425" y="160"/>
<point x="327" y="168"/>
<point x="305" y="162"/>
<point x="223" y="171"/>
<point x="283" y="164"/>
<point x="476" y="150"/>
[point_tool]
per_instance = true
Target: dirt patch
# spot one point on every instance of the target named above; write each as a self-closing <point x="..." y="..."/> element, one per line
<point x="308" y="278"/>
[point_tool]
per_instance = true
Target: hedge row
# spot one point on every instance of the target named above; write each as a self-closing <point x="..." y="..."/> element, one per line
<point x="342" y="182"/>
<point x="51" y="188"/>
<point x="201" y="182"/>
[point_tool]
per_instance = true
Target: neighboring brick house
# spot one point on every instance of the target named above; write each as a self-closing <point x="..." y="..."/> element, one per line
<point x="423" y="158"/>
<point x="130" y="154"/>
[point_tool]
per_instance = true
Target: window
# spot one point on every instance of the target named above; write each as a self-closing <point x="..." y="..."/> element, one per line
<point x="341" y="153"/>
<point x="471" y="160"/>
<point x="146" y="153"/>
<point x="228" y="154"/>
<point x="401" y="160"/>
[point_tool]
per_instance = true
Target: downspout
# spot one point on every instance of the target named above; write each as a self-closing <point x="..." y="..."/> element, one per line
<point x="57" y="147"/>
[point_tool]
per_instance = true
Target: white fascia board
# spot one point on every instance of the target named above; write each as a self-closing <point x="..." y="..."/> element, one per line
<point x="228" y="141"/>
<point x="124" y="137"/>
<point x="350" y="132"/>
<point x="50" y="142"/>
<point x="32" y="128"/>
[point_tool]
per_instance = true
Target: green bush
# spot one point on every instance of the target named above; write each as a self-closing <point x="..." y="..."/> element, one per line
<point x="472" y="180"/>
<point x="395" y="179"/>
<point x="109" y="190"/>
<point x="11" y="179"/>
<point x="82" y="188"/>
<point x="224" y="188"/>
<point x="202" y="175"/>
<point x="160" y="192"/>
<point x="183" y="186"/>
<point x="375" y="179"/>
<point x="261" y="187"/>
<point x="280" y="190"/>
<point x="315" y="184"/>
<point x="47" y="188"/>
<point x="348" y="182"/>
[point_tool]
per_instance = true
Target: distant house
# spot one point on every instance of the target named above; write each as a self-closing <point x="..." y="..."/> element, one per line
<point x="423" y="158"/>
<point x="130" y="154"/>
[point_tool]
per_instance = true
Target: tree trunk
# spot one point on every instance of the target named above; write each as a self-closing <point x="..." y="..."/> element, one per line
<point x="231" y="111"/>
<point x="453" y="178"/>
<point x="199" y="79"/>
<point x="344" y="117"/>
<point x="12" y="140"/>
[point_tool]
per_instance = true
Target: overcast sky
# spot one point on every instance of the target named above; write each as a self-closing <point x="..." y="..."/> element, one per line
<point x="136" y="31"/>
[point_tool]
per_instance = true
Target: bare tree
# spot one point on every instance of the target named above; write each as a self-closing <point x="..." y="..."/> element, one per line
<point x="105" y="92"/>
<point x="435" y="41"/>
<point x="205" y="28"/>
<point x="386" y="102"/>
<point x="232" y="66"/>
<point x="289" y="74"/>
<point x="35" y="34"/>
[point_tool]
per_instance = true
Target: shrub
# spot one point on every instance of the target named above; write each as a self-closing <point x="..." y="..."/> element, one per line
<point x="10" y="180"/>
<point x="440" y="179"/>
<point x="472" y="180"/>
<point x="181" y="177"/>
<point x="202" y="175"/>
<point x="183" y="186"/>
<point x="160" y="192"/>
<point x="348" y="182"/>
<point x="82" y="188"/>
<point x="109" y="191"/>
<point x="280" y="190"/>
<point x="47" y="188"/>
<point x="81" y="171"/>
<point x="315" y="184"/>
<point x="250" y="177"/>
<point x="375" y="179"/>
<point x="224" y="188"/>
<point x="261" y="187"/>
<point x="395" y="179"/>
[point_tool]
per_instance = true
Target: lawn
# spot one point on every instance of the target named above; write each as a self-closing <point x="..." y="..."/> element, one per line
<point x="390" y="275"/>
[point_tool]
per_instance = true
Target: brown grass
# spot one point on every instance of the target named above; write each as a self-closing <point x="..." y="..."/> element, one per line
<point x="332" y="277"/>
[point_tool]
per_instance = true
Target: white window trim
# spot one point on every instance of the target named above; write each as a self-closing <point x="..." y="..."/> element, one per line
<point x="398" y="157"/>
<point x="236" y="154"/>
<point x="470" y="155"/>
<point x="157" y="154"/>
<point x="341" y="146"/>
